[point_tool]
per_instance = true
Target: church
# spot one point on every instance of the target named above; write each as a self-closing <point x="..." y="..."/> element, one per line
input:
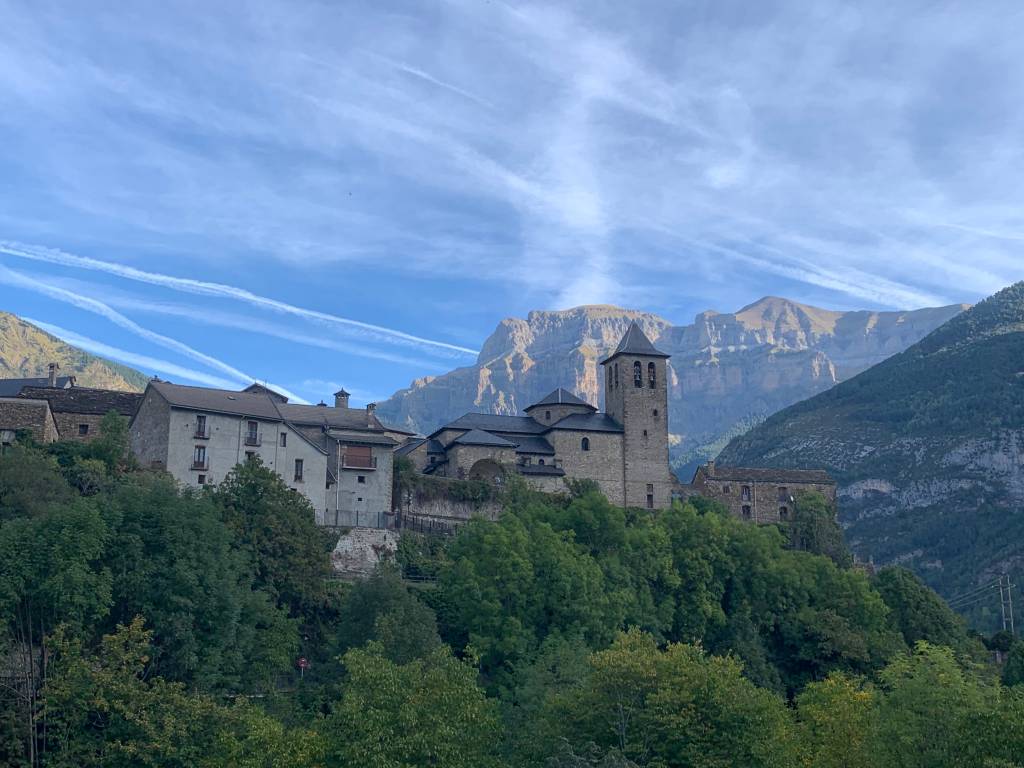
<point x="561" y="437"/>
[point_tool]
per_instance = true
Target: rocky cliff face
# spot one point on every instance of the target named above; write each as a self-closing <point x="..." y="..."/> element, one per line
<point x="728" y="371"/>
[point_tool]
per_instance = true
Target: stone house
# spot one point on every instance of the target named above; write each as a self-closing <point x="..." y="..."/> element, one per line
<point x="19" y="414"/>
<point x="78" y="411"/>
<point x="760" y="494"/>
<point x="339" y="458"/>
<point x="624" y="450"/>
<point x="11" y="387"/>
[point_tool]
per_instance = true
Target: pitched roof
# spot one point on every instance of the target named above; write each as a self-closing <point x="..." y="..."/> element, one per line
<point x="86" y="400"/>
<point x="490" y="422"/>
<point x="338" y="418"/>
<point x="561" y="397"/>
<point x="530" y="444"/>
<point x="635" y="342"/>
<point x="540" y="469"/>
<point x="11" y="387"/>
<point x="479" y="437"/>
<point x="767" y="474"/>
<point x="588" y="422"/>
<point x="260" y="389"/>
<point x="409" y="446"/>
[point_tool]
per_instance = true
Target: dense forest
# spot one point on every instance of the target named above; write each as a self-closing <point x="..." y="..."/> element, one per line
<point x="145" y="625"/>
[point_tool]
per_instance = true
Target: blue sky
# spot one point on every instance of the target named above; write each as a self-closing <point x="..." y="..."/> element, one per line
<point x="354" y="193"/>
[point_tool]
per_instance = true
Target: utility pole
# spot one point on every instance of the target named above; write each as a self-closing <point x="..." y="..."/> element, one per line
<point x="1006" y="602"/>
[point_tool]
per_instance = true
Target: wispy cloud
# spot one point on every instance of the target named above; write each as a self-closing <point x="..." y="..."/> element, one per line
<point x="10" y="277"/>
<point x="145" y="362"/>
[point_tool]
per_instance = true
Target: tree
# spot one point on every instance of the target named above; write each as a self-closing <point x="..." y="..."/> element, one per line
<point x="917" y="611"/>
<point x="427" y="712"/>
<point x="676" y="707"/>
<point x="836" y="723"/>
<point x="1013" y="671"/>
<point x="814" y="528"/>
<point x="277" y="525"/>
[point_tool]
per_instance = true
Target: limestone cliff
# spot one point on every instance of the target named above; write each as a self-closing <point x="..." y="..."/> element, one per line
<point x="26" y="350"/>
<point x="728" y="371"/>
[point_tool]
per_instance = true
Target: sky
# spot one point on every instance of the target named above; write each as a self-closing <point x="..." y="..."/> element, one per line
<point x="318" y="194"/>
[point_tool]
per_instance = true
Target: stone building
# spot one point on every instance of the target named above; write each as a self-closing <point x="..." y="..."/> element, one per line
<point x="339" y="458"/>
<point x="23" y="415"/>
<point x="624" y="450"/>
<point x="762" y="495"/>
<point x="78" y="411"/>
<point x="11" y="387"/>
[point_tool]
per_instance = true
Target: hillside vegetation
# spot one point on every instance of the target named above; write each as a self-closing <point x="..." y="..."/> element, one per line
<point x="144" y="624"/>
<point x="26" y="351"/>
<point x="928" y="448"/>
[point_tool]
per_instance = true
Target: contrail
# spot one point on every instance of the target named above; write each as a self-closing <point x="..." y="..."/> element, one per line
<point x="98" y="307"/>
<point x="131" y="358"/>
<point x="203" y="288"/>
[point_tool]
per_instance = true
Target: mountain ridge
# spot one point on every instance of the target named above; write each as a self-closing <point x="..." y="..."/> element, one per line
<point x="728" y="370"/>
<point x="27" y="350"/>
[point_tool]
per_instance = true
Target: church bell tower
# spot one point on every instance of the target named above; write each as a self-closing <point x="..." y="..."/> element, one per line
<point x="636" y="396"/>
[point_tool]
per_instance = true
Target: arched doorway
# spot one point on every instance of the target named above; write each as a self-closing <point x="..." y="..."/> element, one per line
<point x="488" y="470"/>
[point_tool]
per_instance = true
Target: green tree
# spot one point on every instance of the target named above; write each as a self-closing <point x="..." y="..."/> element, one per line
<point x="837" y="719"/>
<point x="277" y="525"/>
<point x="917" y="611"/>
<point x="815" y="529"/>
<point x="1013" y="671"/>
<point x="427" y="712"/>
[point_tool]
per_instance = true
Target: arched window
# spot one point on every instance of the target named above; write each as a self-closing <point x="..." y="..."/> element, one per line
<point x="547" y="415"/>
<point x="585" y="444"/>
<point x="638" y="374"/>
<point x="541" y="462"/>
<point x="616" y="374"/>
<point x="652" y="375"/>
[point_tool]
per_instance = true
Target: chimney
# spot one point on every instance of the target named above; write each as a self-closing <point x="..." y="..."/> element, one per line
<point x="341" y="398"/>
<point x="371" y="410"/>
<point x="53" y="368"/>
<point x="711" y="468"/>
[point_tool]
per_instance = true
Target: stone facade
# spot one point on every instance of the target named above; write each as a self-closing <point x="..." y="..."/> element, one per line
<point x="761" y="495"/>
<point x="338" y="458"/>
<point x="31" y="416"/>
<point x="624" y="450"/>
<point x="78" y="411"/>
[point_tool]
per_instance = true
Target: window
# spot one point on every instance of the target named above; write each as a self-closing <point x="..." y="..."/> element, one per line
<point x="284" y="439"/>
<point x="784" y="513"/>
<point x="252" y="433"/>
<point x="638" y="374"/>
<point x="652" y="375"/>
<point x="361" y="479"/>
<point x="541" y="462"/>
<point x="585" y="444"/>
<point x="433" y="459"/>
<point x="745" y="493"/>
<point x="254" y="428"/>
<point x="650" y="487"/>
<point x="616" y="374"/>
<point x="726" y="489"/>
<point x="199" y="457"/>
<point x="298" y="470"/>
<point x="650" y="501"/>
<point x="83" y="429"/>
<point x="250" y="455"/>
<point x="547" y="415"/>
<point x="645" y="434"/>
<point x="655" y="413"/>
<point x="746" y="511"/>
<point x="783" y="493"/>
<point x="202" y="479"/>
<point x="200" y="425"/>
<point x="359" y="456"/>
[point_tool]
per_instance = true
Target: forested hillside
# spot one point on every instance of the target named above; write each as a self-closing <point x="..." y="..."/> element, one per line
<point x="26" y="351"/>
<point x="142" y="624"/>
<point x="928" y="448"/>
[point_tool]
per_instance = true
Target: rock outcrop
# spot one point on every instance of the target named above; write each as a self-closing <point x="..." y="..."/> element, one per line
<point x="728" y="371"/>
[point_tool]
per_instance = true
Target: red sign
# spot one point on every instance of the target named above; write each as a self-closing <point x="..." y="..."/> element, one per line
<point x="303" y="663"/>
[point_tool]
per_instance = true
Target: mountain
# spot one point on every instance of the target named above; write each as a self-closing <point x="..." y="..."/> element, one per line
<point x="26" y="350"/>
<point x="728" y="371"/>
<point x="928" y="448"/>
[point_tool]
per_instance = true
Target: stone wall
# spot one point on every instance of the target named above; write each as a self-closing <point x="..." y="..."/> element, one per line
<point x="462" y="458"/>
<point x="33" y="416"/>
<point x="360" y="550"/>
<point x="760" y="502"/>
<point x="149" y="431"/>
<point x="70" y="425"/>
<point x="602" y="463"/>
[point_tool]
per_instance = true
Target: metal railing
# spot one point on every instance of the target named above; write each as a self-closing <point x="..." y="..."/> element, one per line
<point x="201" y="434"/>
<point x="200" y="463"/>
<point x="254" y="439"/>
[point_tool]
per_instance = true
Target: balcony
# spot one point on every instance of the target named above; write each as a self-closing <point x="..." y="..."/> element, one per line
<point x="201" y="464"/>
<point x="201" y="433"/>
<point x="254" y="439"/>
<point x="357" y="462"/>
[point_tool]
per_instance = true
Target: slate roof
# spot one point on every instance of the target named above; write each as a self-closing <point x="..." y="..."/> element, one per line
<point x="86" y="400"/>
<point x="479" y="437"/>
<point x="635" y="342"/>
<point x="768" y="475"/>
<point x="364" y="438"/>
<point x="531" y="444"/>
<point x="337" y="418"/>
<point x="490" y="422"/>
<point x="258" y="389"/>
<point x="588" y="422"/>
<point x="561" y="397"/>
<point x="12" y="387"/>
<point x="409" y="446"/>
